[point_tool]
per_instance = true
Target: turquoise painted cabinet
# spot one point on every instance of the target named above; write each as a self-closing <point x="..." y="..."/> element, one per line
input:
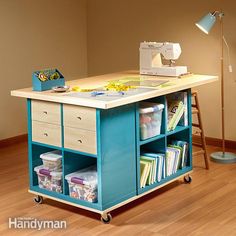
<point x="117" y="155"/>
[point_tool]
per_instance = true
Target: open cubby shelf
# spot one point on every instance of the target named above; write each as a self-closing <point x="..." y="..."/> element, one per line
<point x="159" y="143"/>
<point x="71" y="162"/>
<point x="118" y="156"/>
<point x="65" y="197"/>
<point x="165" y="180"/>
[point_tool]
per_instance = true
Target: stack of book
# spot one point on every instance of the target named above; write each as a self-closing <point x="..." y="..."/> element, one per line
<point x="151" y="168"/>
<point x="183" y="147"/>
<point x="176" y="156"/>
<point x="177" y="110"/>
<point x="156" y="166"/>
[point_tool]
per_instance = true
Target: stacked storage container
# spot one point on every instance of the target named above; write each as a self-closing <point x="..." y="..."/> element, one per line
<point x="50" y="173"/>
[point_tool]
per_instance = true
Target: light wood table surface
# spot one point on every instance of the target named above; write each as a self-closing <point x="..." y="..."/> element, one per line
<point x="175" y="84"/>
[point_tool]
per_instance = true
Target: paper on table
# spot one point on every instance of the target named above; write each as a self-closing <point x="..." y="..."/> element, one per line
<point x="146" y="83"/>
<point x="109" y="95"/>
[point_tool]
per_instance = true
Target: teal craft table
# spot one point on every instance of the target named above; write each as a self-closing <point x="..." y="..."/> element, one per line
<point x="104" y="132"/>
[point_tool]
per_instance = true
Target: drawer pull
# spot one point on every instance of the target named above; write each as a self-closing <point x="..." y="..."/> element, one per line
<point x="79" y="140"/>
<point x="45" y="134"/>
<point x="45" y="112"/>
<point x="79" y="117"/>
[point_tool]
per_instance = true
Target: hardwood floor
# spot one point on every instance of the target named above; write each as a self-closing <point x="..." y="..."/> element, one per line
<point x="207" y="206"/>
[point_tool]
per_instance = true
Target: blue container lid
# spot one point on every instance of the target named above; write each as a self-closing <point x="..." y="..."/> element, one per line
<point x="148" y="107"/>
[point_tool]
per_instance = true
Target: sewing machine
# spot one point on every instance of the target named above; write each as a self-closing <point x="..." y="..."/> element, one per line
<point x="151" y="61"/>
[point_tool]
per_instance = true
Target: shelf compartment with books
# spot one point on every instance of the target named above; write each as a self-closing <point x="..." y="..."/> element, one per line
<point x="150" y="160"/>
<point x="167" y="166"/>
<point x="178" y="110"/>
<point x="182" y="139"/>
<point x="165" y="180"/>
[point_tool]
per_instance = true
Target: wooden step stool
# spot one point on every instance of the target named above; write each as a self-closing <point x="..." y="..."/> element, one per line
<point x="199" y="126"/>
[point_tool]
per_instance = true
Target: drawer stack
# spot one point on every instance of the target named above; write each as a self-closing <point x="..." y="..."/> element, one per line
<point x="46" y="122"/>
<point x="80" y="128"/>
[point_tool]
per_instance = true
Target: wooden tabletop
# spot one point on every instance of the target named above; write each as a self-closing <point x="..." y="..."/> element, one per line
<point x="173" y="85"/>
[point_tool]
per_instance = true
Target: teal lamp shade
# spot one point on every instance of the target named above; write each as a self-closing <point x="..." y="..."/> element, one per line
<point x="206" y="23"/>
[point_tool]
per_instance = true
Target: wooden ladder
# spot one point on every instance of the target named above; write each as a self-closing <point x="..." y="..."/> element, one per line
<point x="199" y="126"/>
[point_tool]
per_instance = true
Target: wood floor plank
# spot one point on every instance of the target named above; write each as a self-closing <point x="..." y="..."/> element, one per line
<point x="207" y="206"/>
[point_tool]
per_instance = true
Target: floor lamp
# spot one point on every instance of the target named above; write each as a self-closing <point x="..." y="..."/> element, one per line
<point x="205" y="24"/>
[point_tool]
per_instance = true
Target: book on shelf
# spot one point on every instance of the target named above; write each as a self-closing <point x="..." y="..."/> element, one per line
<point x="176" y="156"/>
<point x="177" y="108"/>
<point x="144" y="172"/>
<point x="151" y="168"/>
<point x="151" y="175"/>
<point x="184" y="145"/>
<point x="173" y="156"/>
<point x="160" y="164"/>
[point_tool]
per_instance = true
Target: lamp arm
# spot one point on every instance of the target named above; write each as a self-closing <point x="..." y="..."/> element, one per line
<point x="228" y="52"/>
<point x="218" y="13"/>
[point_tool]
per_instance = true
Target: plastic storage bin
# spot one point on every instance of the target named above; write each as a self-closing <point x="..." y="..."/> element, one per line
<point x="52" y="160"/>
<point x="83" y="184"/>
<point x="150" y="119"/>
<point x="50" y="180"/>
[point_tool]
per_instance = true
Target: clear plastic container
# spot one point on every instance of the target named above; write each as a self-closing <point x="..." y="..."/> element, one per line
<point x="52" y="160"/>
<point x="83" y="184"/>
<point x="50" y="180"/>
<point x="150" y="119"/>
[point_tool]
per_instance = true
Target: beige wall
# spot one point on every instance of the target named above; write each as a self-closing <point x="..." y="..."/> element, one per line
<point x="115" y="29"/>
<point x="53" y="33"/>
<point x="36" y="35"/>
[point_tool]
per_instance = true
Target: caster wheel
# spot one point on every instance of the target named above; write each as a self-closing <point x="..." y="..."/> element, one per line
<point x="187" y="179"/>
<point x="106" y="219"/>
<point x="38" y="199"/>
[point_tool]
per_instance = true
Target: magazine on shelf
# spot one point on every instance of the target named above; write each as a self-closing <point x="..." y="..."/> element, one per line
<point x="177" y="109"/>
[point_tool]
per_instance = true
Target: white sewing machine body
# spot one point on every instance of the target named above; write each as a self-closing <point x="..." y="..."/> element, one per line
<point x="151" y="62"/>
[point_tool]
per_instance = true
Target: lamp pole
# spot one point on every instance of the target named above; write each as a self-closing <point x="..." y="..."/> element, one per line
<point x="222" y="85"/>
<point x="205" y="24"/>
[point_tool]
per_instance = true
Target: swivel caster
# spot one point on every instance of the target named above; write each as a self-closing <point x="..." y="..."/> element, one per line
<point x="187" y="179"/>
<point x="38" y="199"/>
<point x="106" y="218"/>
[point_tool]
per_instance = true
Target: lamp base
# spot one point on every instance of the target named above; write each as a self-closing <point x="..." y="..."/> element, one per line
<point x="227" y="157"/>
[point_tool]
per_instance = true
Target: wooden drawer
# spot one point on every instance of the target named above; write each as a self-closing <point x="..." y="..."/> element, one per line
<point x="46" y="133"/>
<point x="46" y="112"/>
<point x="80" y="140"/>
<point x="79" y="117"/>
